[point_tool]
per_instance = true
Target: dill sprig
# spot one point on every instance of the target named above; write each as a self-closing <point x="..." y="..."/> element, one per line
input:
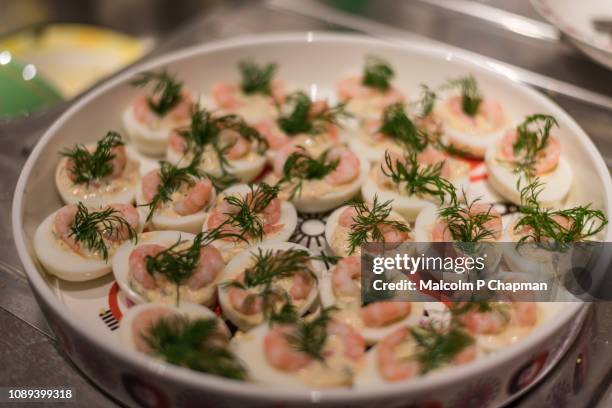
<point x="397" y="125"/>
<point x="171" y="179"/>
<point x="178" y="265"/>
<point x="471" y="98"/>
<point x="301" y="166"/>
<point x="206" y="129"/>
<point x="286" y="314"/>
<point x="465" y="225"/>
<point x="418" y="179"/>
<point x="368" y="221"/>
<point x="247" y="216"/>
<point x="166" y="90"/>
<point x="193" y="344"/>
<point x="93" y="228"/>
<point x="302" y="119"/>
<point x="270" y="266"/>
<point x="436" y="347"/>
<point x="377" y="73"/>
<point x="543" y="225"/>
<point x="427" y="101"/>
<point x="256" y="79"/>
<point x="532" y="138"/>
<point x="88" y="166"/>
<point x="310" y="335"/>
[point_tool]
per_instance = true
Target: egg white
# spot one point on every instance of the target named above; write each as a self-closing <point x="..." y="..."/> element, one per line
<point x="332" y="224"/>
<point x="245" y="169"/>
<point x="152" y="142"/>
<point x="556" y="184"/>
<point x="338" y="196"/>
<point x="121" y="265"/>
<point x="59" y="260"/>
<point x="409" y="206"/>
<point x="476" y="145"/>
<point x="249" y="348"/>
<point x="97" y="199"/>
<point x="239" y="263"/>
<point x="288" y="219"/>
<point x="191" y="223"/>
<point x="191" y="310"/>
<point x="371" y="334"/>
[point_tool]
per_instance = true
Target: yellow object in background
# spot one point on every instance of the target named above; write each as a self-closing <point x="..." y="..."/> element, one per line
<point x="74" y="57"/>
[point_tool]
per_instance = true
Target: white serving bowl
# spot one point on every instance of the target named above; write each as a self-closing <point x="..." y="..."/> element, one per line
<point x="574" y="19"/>
<point x="72" y="309"/>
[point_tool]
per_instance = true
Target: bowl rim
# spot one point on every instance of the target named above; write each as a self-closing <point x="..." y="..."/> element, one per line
<point x="545" y="10"/>
<point x="251" y="390"/>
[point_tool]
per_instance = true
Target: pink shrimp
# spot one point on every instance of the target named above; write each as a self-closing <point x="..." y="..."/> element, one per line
<point x="283" y="356"/>
<point x="301" y="287"/>
<point x="354" y="343"/>
<point x="547" y="159"/>
<point x="345" y="275"/>
<point x="150" y="184"/>
<point x="195" y="199"/>
<point x="430" y="156"/>
<point x="280" y="353"/>
<point x="390" y="366"/>
<point x="347" y="217"/>
<point x="522" y="314"/>
<point x="372" y="127"/>
<point x="490" y="111"/>
<point x="63" y="220"/>
<point x="281" y="156"/>
<point x="441" y="232"/>
<point x="239" y="146"/>
<point x="138" y="265"/>
<point x="347" y="169"/>
<point x="272" y="133"/>
<point x="227" y="96"/>
<point x="143" y="322"/>
<point x="180" y="113"/>
<point x="352" y="88"/>
<point x="242" y="301"/>
<point x="393" y="235"/>
<point x="209" y="266"/>
<point x="130" y="215"/>
<point x="177" y="142"/>
<point x="382" y="313"/>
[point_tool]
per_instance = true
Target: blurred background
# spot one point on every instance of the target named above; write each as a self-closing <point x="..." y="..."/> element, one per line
<point x="54" y="51"/>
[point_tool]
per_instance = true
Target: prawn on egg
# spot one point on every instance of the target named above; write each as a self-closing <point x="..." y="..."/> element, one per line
<point x="150" y="119"/>
<point x="248" y="215"/>
<point x="76" y="242"/>
<point x="314" y="125"/>
<point x="175" y="198"/>
<point x="367" y="95"/>
<point x="153" y="329"/>
<point x="472" y="122"/>
<point x="414" y="180"/>
<point x="530" y="151"/>
<point x="341" y="289"/>
<point x="393" y="131"/>
<point x="351" y="226"/>
<point x="316" y="351"/>
<point x="318" y="183"/>
<point x="409" y="352"/>
<point x="97" y="174"/>
<point x="255" y="97"/>
<point x="257" y="281"/>
<point x="168" y="267"/>
<point x="537" y="231"/>
<point x="224" y="145"/>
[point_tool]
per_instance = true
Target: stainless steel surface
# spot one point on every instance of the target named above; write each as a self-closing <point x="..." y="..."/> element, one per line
<point x="542" y="59"/>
